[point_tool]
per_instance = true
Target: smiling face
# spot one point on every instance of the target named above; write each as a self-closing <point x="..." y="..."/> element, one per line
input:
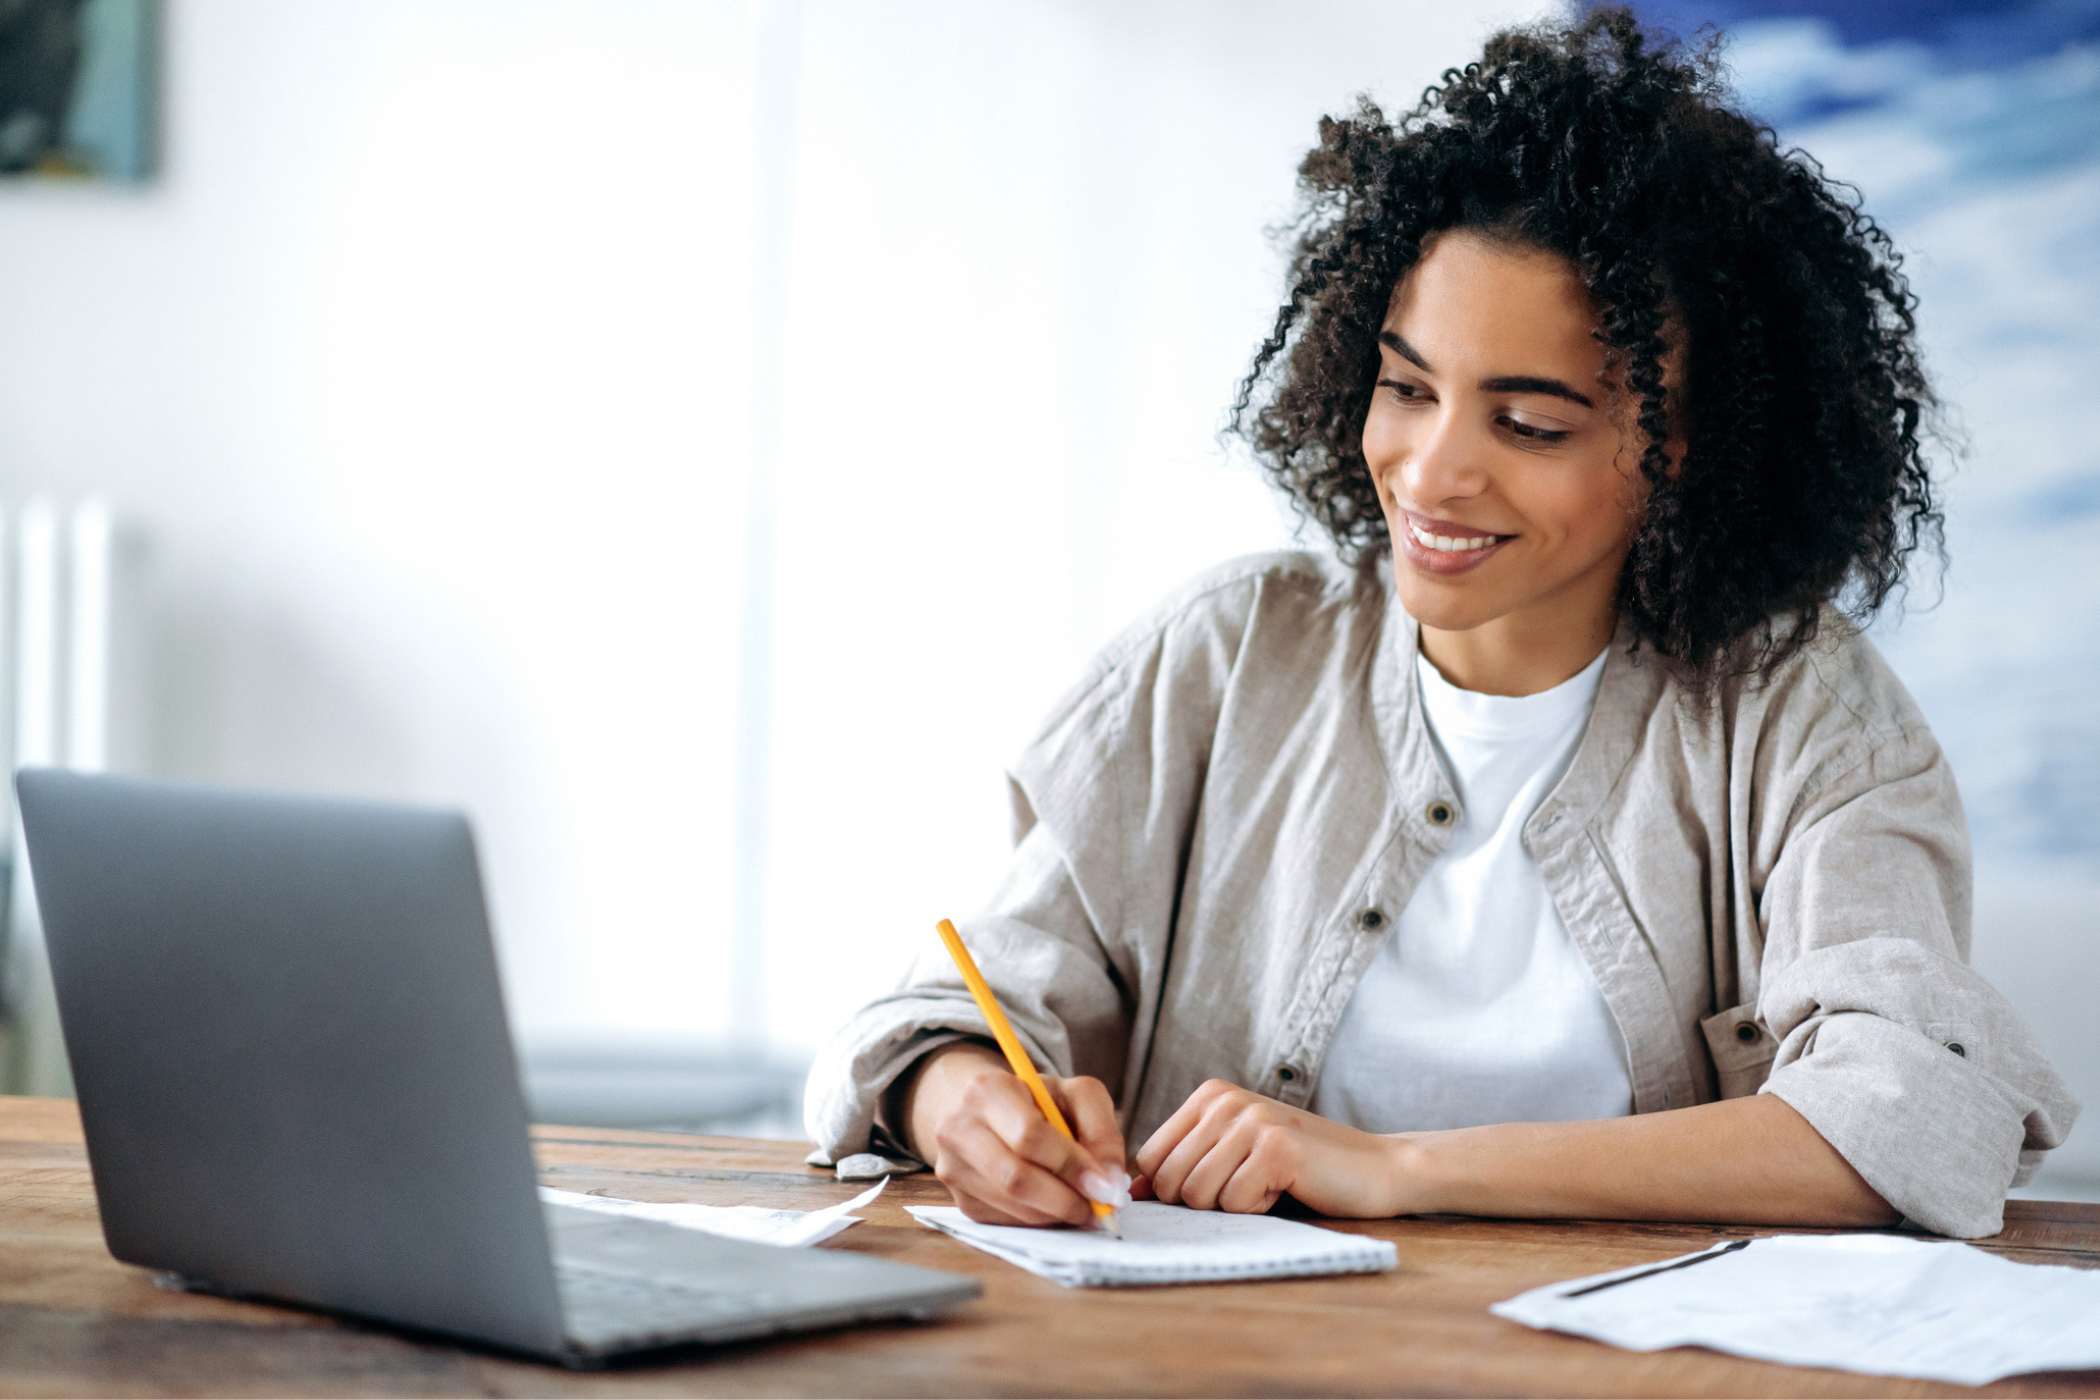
<point x="1510" y="483"/>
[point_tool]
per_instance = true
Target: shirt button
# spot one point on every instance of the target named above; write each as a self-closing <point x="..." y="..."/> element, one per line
<point x="1958" y="1048"/>
<point x="1745" y="1031"/>
<point x="1442" y="813"/>
<point x="1371" y="920"/>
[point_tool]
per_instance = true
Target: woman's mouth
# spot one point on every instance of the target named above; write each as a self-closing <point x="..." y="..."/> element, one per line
<point x="1433" y="551"/>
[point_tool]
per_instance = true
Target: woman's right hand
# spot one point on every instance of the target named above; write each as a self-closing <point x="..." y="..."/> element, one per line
<point x="974" y="1120"/>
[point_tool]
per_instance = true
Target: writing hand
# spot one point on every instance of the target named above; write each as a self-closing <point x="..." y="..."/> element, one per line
<point x="978" y="1126"/>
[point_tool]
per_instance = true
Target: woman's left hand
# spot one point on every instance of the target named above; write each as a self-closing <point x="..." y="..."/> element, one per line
<point x="1231" y="1149"/>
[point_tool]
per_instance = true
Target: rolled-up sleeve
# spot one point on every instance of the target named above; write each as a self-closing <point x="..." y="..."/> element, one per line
<point x="1919" y="1072"/>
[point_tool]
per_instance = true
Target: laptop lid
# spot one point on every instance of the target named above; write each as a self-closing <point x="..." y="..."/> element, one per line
<point x="288" y="1041"/>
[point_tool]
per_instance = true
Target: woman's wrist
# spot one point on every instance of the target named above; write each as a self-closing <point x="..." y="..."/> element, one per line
<point x="1413" y="1187"/>
<point x="925" y="1090"/>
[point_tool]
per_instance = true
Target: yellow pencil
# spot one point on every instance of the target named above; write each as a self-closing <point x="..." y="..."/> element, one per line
<point x="1016" y="1053"/>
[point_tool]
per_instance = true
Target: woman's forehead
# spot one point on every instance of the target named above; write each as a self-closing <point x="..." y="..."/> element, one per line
<point x="1476" y="305"/>
<point x="1497" y="308"/>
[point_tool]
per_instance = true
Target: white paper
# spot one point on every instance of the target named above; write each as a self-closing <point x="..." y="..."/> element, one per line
<point x="1882" y="1304"/>
<point x="787" y="1228"/>
<point x="1168" y="1244"/>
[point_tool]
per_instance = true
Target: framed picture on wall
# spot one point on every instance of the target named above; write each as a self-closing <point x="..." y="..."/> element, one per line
<point x="76" y="88"/>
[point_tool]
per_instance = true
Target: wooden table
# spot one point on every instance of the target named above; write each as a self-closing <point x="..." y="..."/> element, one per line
<point x="73" y="1321"/>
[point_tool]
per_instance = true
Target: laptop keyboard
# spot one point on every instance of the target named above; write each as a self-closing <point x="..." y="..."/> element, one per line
<point x="600" y="1305"/>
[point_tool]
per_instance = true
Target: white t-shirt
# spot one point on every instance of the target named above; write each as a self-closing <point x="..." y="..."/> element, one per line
<point x="1478" y="1008"/>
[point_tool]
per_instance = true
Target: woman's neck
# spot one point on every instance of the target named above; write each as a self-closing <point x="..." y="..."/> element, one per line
<point x="1507" y="657"/>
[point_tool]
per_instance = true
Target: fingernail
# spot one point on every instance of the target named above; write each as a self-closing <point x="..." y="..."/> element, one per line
<point x="1098" y="1188"/>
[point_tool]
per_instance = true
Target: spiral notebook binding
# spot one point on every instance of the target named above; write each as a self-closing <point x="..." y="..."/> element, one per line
<point x="1350" y="1261"/>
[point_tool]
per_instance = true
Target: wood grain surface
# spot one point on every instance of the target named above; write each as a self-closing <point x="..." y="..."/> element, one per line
<point x="73" y="1321"/>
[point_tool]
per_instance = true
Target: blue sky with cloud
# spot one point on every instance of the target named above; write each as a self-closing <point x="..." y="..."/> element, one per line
<point x="1972" y="133"/>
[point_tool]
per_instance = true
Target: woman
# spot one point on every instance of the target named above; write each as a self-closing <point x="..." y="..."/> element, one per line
<point x="1560" y="847"/>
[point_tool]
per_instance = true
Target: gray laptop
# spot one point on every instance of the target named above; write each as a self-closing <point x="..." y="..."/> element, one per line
<point x="297" y="1084"/>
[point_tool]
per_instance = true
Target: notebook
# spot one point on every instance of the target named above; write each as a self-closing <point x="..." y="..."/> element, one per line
<point x="1169" y="1244"/>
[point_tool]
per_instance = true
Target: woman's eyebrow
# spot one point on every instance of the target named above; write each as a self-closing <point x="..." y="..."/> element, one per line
<point x="1496" y="384"/>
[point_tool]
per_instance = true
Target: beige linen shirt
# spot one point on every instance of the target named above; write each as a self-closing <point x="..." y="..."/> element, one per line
<point x="1220" y="821"/>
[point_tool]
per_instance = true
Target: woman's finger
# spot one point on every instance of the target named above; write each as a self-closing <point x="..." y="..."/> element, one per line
<point x="1168" y="1135"/>
<point x="1248" y="1191"/>
<point x="1016" y="1117"/>
<point x="1172" y="1173"/>
<point x="1092" y="1114"/>
<point x="990" y="1170"/>
<point x="984" y="1214"/>
<point x="1200" y="1188"/>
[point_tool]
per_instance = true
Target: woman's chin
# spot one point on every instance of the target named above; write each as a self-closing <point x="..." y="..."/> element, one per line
<point x="1436" y="607"/>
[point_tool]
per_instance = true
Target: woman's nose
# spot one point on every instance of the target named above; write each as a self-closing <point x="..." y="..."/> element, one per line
<point x="1441" y="463"/>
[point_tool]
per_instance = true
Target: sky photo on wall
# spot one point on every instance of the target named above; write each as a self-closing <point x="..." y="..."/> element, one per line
<point x="76" y="88"/>
<point x="1971" y="129"/>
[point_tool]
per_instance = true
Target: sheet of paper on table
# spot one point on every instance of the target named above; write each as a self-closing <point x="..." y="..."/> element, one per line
<point x="788" y="1228"/>
<point x="1883" y="1304"/>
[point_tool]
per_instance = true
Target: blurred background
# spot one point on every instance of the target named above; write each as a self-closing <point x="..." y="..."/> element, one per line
<point x="701" y="441"/>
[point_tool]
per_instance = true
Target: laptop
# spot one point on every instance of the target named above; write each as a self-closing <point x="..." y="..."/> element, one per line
<point x="297" y="1085"/>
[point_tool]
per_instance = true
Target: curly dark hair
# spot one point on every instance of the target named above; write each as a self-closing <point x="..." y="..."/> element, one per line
<point x="1620" y="150"/>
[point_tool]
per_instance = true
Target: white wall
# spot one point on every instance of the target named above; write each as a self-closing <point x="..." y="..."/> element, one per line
<point x="423" y="370"/>
<point x="436" y="363"/>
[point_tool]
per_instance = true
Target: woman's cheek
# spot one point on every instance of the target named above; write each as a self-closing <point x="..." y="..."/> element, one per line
<point x="1381" y="450"/>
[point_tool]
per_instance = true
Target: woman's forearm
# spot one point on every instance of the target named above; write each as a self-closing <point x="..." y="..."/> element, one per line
<point x="1751" y="1160"/>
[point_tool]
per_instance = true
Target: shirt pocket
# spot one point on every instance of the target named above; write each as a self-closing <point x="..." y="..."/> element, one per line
<point x="1741" y="1047"/>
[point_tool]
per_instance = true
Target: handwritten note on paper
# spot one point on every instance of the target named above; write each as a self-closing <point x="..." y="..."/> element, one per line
<point x="1169" y="1244"/>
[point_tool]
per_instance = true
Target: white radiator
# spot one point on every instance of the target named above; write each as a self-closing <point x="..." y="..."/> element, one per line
<point x="60" y="615"/>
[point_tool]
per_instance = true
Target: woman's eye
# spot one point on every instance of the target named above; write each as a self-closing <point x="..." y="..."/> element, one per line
<point x="1405" y="392"/>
